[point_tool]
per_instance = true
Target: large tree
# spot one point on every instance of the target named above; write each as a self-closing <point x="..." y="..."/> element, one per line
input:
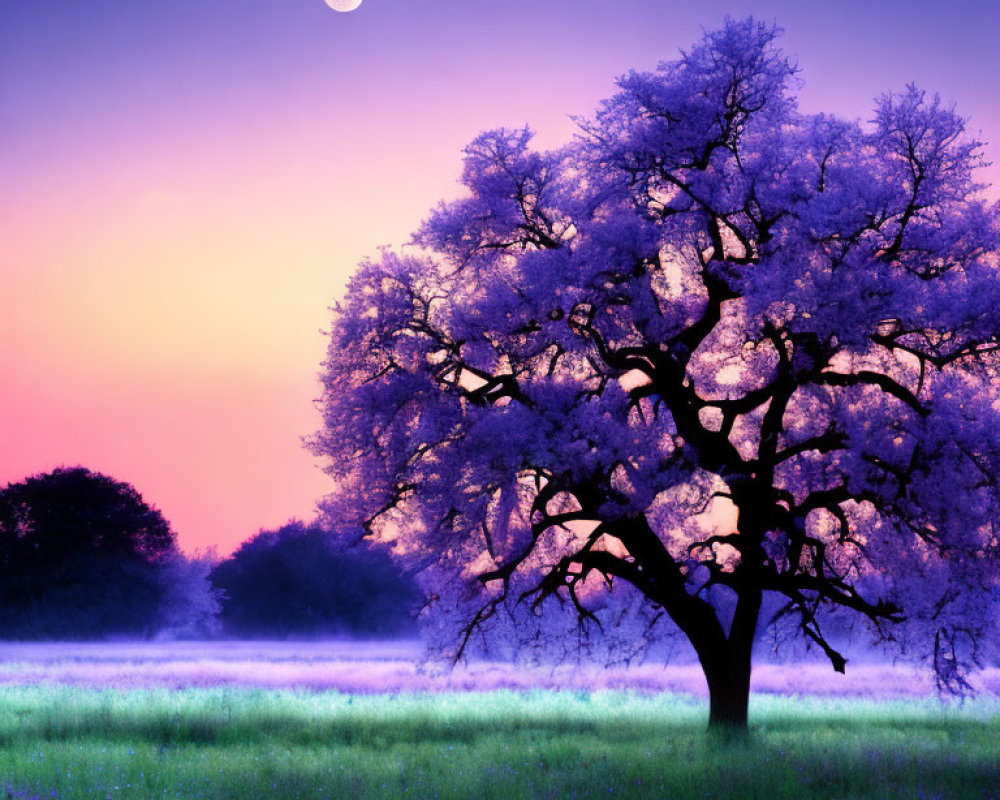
<point x="713" y="344"/>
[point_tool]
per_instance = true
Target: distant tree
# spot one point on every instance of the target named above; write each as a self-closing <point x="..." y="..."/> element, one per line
<point x="81" y="556"/>
<point x="300" y="581"/>
<point x="189" y="604"/>
<point x="713" y="342"/>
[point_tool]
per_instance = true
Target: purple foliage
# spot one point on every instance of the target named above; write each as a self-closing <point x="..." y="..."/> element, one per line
<point x="712" y="345"/>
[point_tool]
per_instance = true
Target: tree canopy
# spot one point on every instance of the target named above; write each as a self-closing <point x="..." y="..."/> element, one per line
<point x="82" y="555"/>
<point x="301" y="581"/>
<point x="711" y="342"/>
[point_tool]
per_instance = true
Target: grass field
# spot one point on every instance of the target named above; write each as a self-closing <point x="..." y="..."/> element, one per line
<point x="69" y="740"/>
<point x="66" y="742"/>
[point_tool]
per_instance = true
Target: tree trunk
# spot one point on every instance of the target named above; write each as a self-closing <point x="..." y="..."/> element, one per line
<point x="728" y="693"/>
<point x="727" y="668"/>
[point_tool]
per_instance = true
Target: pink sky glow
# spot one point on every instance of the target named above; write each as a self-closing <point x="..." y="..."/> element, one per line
<point x="187" y="189"/>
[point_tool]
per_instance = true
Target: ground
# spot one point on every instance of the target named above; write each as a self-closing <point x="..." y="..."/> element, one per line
<point x="362" y="721"/>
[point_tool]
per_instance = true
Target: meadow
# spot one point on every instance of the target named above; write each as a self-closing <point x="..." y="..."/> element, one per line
<point x="333" y="720"/>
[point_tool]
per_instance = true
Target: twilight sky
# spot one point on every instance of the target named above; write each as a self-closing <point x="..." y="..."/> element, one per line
<point x="188" y="185"/>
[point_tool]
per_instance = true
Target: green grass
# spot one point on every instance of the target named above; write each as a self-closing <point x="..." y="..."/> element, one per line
<point x="61" y="742"/>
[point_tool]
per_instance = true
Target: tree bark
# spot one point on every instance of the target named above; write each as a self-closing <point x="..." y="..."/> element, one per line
<point x="728" y="667"/>
<point x="728" y="693"/>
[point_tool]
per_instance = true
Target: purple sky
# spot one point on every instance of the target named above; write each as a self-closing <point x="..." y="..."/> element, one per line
<point x="188" y="185"/>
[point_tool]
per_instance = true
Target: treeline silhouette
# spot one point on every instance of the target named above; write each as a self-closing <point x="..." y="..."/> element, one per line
<point x="84" y="557"/>
<point x="297" y="581"/>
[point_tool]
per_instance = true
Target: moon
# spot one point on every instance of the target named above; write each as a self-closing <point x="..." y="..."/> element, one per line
<point x="343" y="5"/>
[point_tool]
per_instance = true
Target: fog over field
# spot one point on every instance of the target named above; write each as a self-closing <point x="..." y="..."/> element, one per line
<point x="370" y="667"/>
